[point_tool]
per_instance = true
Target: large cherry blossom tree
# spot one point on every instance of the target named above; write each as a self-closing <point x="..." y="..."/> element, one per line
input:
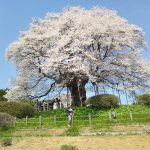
<point x="77" y="46"/>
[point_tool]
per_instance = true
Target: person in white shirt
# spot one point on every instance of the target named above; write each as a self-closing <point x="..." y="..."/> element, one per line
<point x="55" y="105"/>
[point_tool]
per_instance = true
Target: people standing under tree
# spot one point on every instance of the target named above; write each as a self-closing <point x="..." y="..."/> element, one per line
<point x="43" y="105"/>
<point x="55" y="104"/>
<point x="60" y="104"/>
<point x="70" y="115"/>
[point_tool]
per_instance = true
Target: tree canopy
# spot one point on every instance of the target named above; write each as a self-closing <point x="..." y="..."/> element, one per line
<point x="77" y="46"/>
<point x="2" y="94"/>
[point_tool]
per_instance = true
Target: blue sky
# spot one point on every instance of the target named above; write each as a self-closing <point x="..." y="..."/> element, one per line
<point x="16" y="15"/>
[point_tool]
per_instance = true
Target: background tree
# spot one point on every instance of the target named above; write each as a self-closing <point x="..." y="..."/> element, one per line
<point x="143" y="99"/>
<point x="2" y="94"/>
<point x="78" y="46"/>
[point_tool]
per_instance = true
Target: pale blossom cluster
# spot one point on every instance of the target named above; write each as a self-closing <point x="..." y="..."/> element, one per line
<point x="96" y="44"/>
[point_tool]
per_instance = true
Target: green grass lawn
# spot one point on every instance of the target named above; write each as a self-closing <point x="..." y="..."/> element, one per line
<point x="52" y="118"/>
<point x="54" y="122"/>
<point x="6" y="132"/>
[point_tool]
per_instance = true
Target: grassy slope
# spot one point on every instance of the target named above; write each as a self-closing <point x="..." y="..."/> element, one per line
<point x="84" y="111"/>
<point x="98" y="117"/>
<point x="141" y="115"/>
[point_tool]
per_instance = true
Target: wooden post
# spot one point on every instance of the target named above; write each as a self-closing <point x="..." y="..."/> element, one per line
<point x="26" y="121"/>
<point x="90" y="119"/>
<point x="40" y="121"/>
<point x="109" y="114"/>
<point x="54" y="119"/>
<point x="131" y="117"/>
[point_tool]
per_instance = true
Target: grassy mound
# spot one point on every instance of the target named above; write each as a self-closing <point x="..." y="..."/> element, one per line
<point x="84" y="111"/>
<point x="85" y="116"/>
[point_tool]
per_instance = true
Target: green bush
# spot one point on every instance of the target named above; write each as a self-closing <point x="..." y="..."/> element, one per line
<point x="6" y="142"/>
<point x="6" y="120"/>
<point x="143" y="99"/>
<point x="18" y="109"/>
<point x="68" y="147"/>
<point x="72" y="131"/>
<point x="103" y="101"/>
<point x="2" y="94"/>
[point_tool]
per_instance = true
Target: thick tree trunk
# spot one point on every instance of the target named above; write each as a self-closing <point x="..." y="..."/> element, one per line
<point x="82" y="91"/>
<point x="78" y="91"/>
<point x="75" y="95"/>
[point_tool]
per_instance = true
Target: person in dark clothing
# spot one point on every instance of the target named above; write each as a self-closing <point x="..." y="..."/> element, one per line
<point x="70" y="115"/>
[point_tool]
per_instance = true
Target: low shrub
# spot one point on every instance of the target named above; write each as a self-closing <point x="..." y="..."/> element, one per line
<point x="103" y="101"/>
<point x="68" y="147"/>
<point x="72" y="131"/>
<point x="6" y="142"/>
<point x="6" y="120"/>
<point x="18" y="109"/>
<point x="143" y="99"/>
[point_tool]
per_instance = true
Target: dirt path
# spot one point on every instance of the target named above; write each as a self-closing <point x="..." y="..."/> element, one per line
<point x="124" y="142"/>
